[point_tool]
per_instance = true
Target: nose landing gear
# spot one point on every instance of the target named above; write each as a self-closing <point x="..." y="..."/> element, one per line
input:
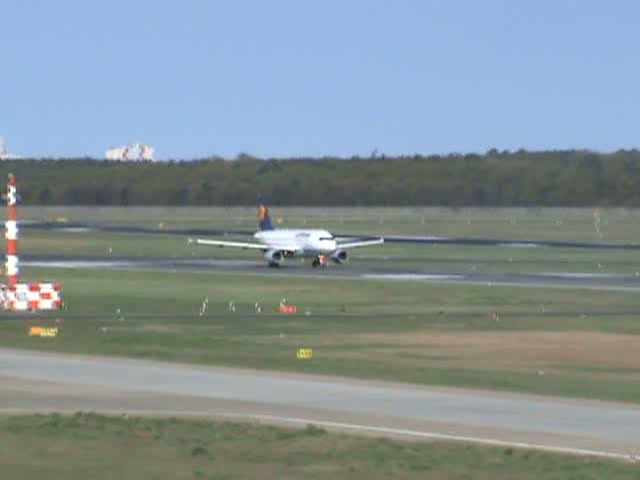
<point x="319" y="261"/>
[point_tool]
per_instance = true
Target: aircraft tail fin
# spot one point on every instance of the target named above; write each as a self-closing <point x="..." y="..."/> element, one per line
<point x="263" y="215"/>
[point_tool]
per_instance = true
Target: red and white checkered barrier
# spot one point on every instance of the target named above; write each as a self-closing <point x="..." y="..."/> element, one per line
<point x="32" y="296"/>
<point x="18" y="296"/>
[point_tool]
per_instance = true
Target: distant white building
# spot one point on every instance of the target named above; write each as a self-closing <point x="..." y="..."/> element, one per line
<point x="4" y="154"/>
<point x="138" y="152"/>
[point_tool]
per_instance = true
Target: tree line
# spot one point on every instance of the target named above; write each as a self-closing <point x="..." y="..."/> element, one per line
<point x="522" y="178"/>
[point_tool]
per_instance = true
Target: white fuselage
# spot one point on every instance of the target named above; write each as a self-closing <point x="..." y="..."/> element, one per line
<point x="308" y="242"/>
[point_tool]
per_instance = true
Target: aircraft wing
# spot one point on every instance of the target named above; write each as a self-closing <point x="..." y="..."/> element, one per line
<point x="244" y="245"/>
<point x="360" y="243"/>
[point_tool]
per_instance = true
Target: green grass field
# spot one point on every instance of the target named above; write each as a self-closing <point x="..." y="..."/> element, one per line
<point x="86" y="446"/>
<point x="568" y="342"/>
<point x="565" y="342"/>
<point x="547" y="341"/>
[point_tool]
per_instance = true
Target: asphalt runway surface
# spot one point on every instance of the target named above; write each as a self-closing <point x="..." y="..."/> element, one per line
<point x="42" y="382"/>
<point x="424" y="240"/>
<point x="351" y="271"/>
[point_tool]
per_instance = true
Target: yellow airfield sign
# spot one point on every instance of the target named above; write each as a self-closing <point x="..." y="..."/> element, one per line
<point x="43" y="332"/>
<point x="304" y="353"/>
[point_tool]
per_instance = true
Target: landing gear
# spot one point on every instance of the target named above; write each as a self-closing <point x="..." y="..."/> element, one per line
<point x="319" y="261"/>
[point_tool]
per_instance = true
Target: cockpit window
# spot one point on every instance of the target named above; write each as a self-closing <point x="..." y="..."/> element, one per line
<point x="327" y="238"/>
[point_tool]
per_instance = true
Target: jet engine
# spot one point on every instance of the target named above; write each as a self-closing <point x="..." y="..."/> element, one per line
<point x="274" y="257"/>
<point x="339" y="256"/>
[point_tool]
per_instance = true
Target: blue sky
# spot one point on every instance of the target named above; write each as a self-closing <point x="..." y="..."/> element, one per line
<point x="331" y="77"/>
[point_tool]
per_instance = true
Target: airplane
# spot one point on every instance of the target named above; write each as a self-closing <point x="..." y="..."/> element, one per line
<point x="276" y="244"/>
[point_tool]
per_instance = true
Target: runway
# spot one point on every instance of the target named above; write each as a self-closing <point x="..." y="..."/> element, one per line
<point x="557" y="279"/>
<point x="40" y="382"/>
<point x="401" y="239"/>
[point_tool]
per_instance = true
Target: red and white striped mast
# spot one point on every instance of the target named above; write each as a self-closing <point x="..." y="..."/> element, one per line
<point x="11" y="233"/>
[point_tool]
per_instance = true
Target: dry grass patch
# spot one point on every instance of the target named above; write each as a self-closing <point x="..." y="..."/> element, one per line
<point x="502" y="350"/>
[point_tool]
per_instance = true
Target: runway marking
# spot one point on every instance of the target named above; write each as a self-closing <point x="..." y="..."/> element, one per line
<point x="76" y="229"/>
<point x="519" y="245"/>
<point x="439" y="436"/>
<point x="583" y="275"/>
<point x="410" y="276"/>
<point x="418" y="238"/>
<point x="87" y="264"/>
